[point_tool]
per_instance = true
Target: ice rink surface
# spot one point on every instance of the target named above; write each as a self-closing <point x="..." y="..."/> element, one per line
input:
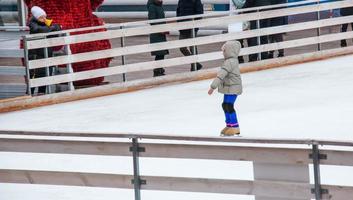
<point x="311" y="100"/>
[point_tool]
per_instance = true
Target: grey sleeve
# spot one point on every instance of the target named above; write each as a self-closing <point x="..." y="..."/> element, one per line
<point x="222" y="73"/>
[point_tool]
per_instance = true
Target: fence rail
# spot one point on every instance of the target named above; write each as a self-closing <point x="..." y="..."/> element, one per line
<point x="292" y="159"/>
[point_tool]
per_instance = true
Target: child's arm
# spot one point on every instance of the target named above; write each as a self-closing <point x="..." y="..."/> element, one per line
<point x="44" y="29"/>
<point x="222" y="73"/>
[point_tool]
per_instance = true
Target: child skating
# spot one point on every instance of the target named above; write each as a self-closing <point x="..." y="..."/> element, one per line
<point x="228" y="82"/>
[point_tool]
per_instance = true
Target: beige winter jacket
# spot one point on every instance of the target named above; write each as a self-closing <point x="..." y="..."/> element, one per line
<point x="228" y="80"/>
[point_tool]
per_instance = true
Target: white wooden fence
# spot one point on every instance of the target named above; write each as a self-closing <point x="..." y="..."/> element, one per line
<point x="279" y="172"/>
<point x="143" y="28"/>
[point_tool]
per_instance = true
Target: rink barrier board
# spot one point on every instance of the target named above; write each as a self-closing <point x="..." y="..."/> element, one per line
<point x="166" y="147"/>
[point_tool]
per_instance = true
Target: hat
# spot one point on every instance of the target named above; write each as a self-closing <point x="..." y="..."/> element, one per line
<point x="37" y="12"/>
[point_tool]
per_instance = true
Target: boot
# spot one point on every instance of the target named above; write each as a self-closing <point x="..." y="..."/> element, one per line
<point x="198" y="67"/>
<point x="230" y="131"/>
<point x="158" y="72"/>
<point x="343" y="43"/>
<point x="271" y="55"/>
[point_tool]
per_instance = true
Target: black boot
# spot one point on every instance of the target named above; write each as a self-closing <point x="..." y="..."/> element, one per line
<point x="270" y="55"/>
<point x="158" y="72"/>
<point x="198" y="67"/>
<point x="343" y="43"/>
<point x="241" y="59"/>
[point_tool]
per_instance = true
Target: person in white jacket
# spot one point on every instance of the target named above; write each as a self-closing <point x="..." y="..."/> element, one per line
<point x="229" y="83"/>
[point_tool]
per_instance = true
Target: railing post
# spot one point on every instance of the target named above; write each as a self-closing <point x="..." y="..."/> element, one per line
<point x="318" y="30"/>
<point x="21" y="7"/>
<point x="28" y="76"/>
<point x="122" y="44"/>
<point x="47" y="71"/>
<point x="137" y="182"/>
<point x="194" y="65"/>
<point x="316" y="156"/>
<point x="69" y="65"/>
<point x="258" y="37"/>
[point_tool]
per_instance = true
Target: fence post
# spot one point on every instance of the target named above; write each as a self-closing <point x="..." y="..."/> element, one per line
<point x="258" y="37"/>
<point x="318" y="30"/>
<point x="47" y="70"/>
<point x="122" y="44"/>
<point x="28" y="76"/>
<point x="194" y="50"/>
<point x="137" y="182"/>
<point x="69" y="65"/>
<point x="21" y="7"/>
<point x="316" y="156"/>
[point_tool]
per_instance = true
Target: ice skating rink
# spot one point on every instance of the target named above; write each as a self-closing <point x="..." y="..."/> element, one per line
<point x="311" y="100"/>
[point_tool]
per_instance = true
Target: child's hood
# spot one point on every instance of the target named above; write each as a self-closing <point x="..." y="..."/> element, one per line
<point x="231" y="49"/>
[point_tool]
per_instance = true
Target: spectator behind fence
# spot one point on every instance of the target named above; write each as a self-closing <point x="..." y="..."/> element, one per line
<point x="264" y="23"/>
<point x="234" y="5"/>
<point x="346" y="12"/>
<point x="39" y="23"/>
<point x="277" y="21"/>
<point x="186" y="8"/>
<point x="156" y="11"/>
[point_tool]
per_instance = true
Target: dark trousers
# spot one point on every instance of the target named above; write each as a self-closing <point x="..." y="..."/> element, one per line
<point x="344" y="29"/>
<point x="159" y="71"/>
<point x="241" y="58"/>
<point x="35" y="54"/>
<point x="273" y="39"/>
<point x="263" y="39"/>
<point x="185" y="50"/>
<point x="40" y="73"/>
<point x="188" y="51"/>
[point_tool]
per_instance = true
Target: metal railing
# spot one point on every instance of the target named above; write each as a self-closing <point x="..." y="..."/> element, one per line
<point x="266" y="159"/>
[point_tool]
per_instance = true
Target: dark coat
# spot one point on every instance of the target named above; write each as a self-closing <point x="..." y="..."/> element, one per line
<point x="256" y="3"/>
<point x="36" y="26"/>
<point x="189" y="7"/>
<point x="186" y="8"/>
<point x="156" y="11"/>
<point x="278" y="21"/>
<point x="347" y="11"/>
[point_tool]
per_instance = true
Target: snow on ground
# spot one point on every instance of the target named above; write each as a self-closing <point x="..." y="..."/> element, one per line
<point x="311" y="100"/>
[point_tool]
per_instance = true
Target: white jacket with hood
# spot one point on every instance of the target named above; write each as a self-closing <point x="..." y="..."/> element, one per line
<point x="228" y="80"/>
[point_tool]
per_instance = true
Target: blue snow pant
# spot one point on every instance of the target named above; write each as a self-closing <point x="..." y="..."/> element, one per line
<point x="229" y="111"/>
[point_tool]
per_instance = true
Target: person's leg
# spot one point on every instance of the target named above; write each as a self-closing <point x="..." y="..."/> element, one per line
<point x="41" y="72"/>
<point x="31" y="74"/>
<point x="184" y="50"/>
<point x="241" y="58"/>
<point x="279" y="38"/>
<point x="264" y="39"/>
<point x="159" y="71"/>
<point x="252" y="42"/>
<point x="271" y="39"/>
<point x="194" y="51"/>
<point x="344" y="29"/>
<point x="229" y="111"/>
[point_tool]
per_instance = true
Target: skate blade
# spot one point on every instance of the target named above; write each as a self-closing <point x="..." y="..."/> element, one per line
<point x="236" y="135"/>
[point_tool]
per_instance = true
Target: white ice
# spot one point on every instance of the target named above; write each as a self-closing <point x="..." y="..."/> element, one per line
<point x="311" y="100"/>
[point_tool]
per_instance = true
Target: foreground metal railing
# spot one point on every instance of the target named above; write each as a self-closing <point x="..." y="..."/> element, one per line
<point x="281" y="166"/>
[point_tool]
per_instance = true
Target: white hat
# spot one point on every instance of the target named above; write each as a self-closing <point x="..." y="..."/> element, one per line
<point x="38" y="12"/>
